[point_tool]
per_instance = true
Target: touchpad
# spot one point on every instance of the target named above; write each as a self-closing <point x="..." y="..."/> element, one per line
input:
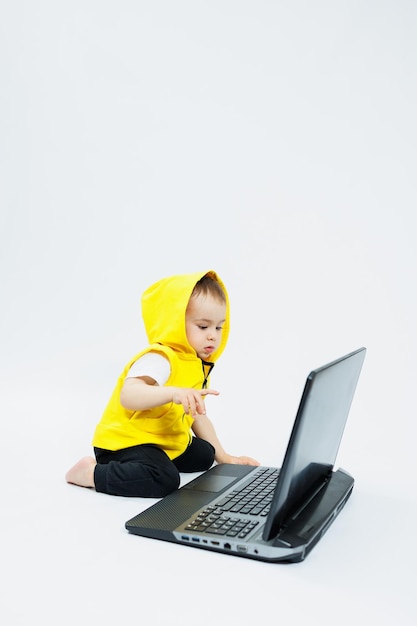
<point x="212" y="483"/>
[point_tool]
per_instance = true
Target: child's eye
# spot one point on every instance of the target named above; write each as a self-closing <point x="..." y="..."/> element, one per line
<point x="219" y="327"/>
<point x="203" y="327"/>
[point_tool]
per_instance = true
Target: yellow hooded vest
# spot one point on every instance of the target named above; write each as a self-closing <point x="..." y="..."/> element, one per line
<point x="163" y="310"/>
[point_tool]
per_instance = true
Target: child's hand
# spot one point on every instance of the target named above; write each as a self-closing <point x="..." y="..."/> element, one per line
<point x="241" y="460"/>
<point x="192" y="400"/>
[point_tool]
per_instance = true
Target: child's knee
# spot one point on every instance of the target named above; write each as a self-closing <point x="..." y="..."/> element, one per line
<point x="166" y="484"/>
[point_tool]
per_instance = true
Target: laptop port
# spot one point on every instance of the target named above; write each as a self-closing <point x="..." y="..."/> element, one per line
<point x="185" y="538"/>
<point x="195" y="539"/>
<point x="241" y="548"/>
<point x="227" y="546"/>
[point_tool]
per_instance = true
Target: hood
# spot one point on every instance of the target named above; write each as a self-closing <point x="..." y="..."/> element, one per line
<point x="163" y="310"/>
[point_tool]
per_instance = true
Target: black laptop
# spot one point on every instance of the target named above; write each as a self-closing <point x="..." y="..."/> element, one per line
<point x="266" y="513"/>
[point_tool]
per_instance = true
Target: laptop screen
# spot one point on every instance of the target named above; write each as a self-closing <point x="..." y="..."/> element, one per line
<point x="315" y="438"/>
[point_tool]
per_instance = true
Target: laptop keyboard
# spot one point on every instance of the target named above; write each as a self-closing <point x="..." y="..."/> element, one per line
<point x="253" y="499"/>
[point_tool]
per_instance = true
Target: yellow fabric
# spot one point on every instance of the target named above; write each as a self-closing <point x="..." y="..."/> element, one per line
<point x="163" y="310"/>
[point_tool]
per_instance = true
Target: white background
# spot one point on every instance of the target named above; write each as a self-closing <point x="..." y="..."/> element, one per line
<point x="274" y="142"/>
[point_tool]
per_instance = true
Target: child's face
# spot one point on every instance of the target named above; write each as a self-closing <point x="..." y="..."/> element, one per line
<point x="204" y="321"/>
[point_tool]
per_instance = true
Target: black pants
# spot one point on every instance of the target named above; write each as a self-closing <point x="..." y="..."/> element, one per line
<point x="146" y="471"/>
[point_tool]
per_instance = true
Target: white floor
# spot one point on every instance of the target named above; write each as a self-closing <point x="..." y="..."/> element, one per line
<point x="67" y="557"/>
<point x="274" y="143"/>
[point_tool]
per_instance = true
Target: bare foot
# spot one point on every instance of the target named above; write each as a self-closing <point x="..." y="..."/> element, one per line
<point x="82" y="474"/>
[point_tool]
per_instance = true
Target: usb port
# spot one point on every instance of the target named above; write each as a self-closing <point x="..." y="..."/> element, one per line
<point x="195" y="539"/>
<point x="241" y="548"/>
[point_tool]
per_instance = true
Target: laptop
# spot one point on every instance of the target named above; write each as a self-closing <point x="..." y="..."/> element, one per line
<point x="266" y="513"/>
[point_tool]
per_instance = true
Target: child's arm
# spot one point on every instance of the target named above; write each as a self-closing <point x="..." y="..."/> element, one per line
<point x="138" y="394"/>
<point x="204" y="429"/>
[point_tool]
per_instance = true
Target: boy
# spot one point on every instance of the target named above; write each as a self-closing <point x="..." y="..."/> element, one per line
<point x="155" y="424"/>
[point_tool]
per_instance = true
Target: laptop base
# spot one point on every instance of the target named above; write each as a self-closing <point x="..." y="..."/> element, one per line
<point x="167" y="519"/>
